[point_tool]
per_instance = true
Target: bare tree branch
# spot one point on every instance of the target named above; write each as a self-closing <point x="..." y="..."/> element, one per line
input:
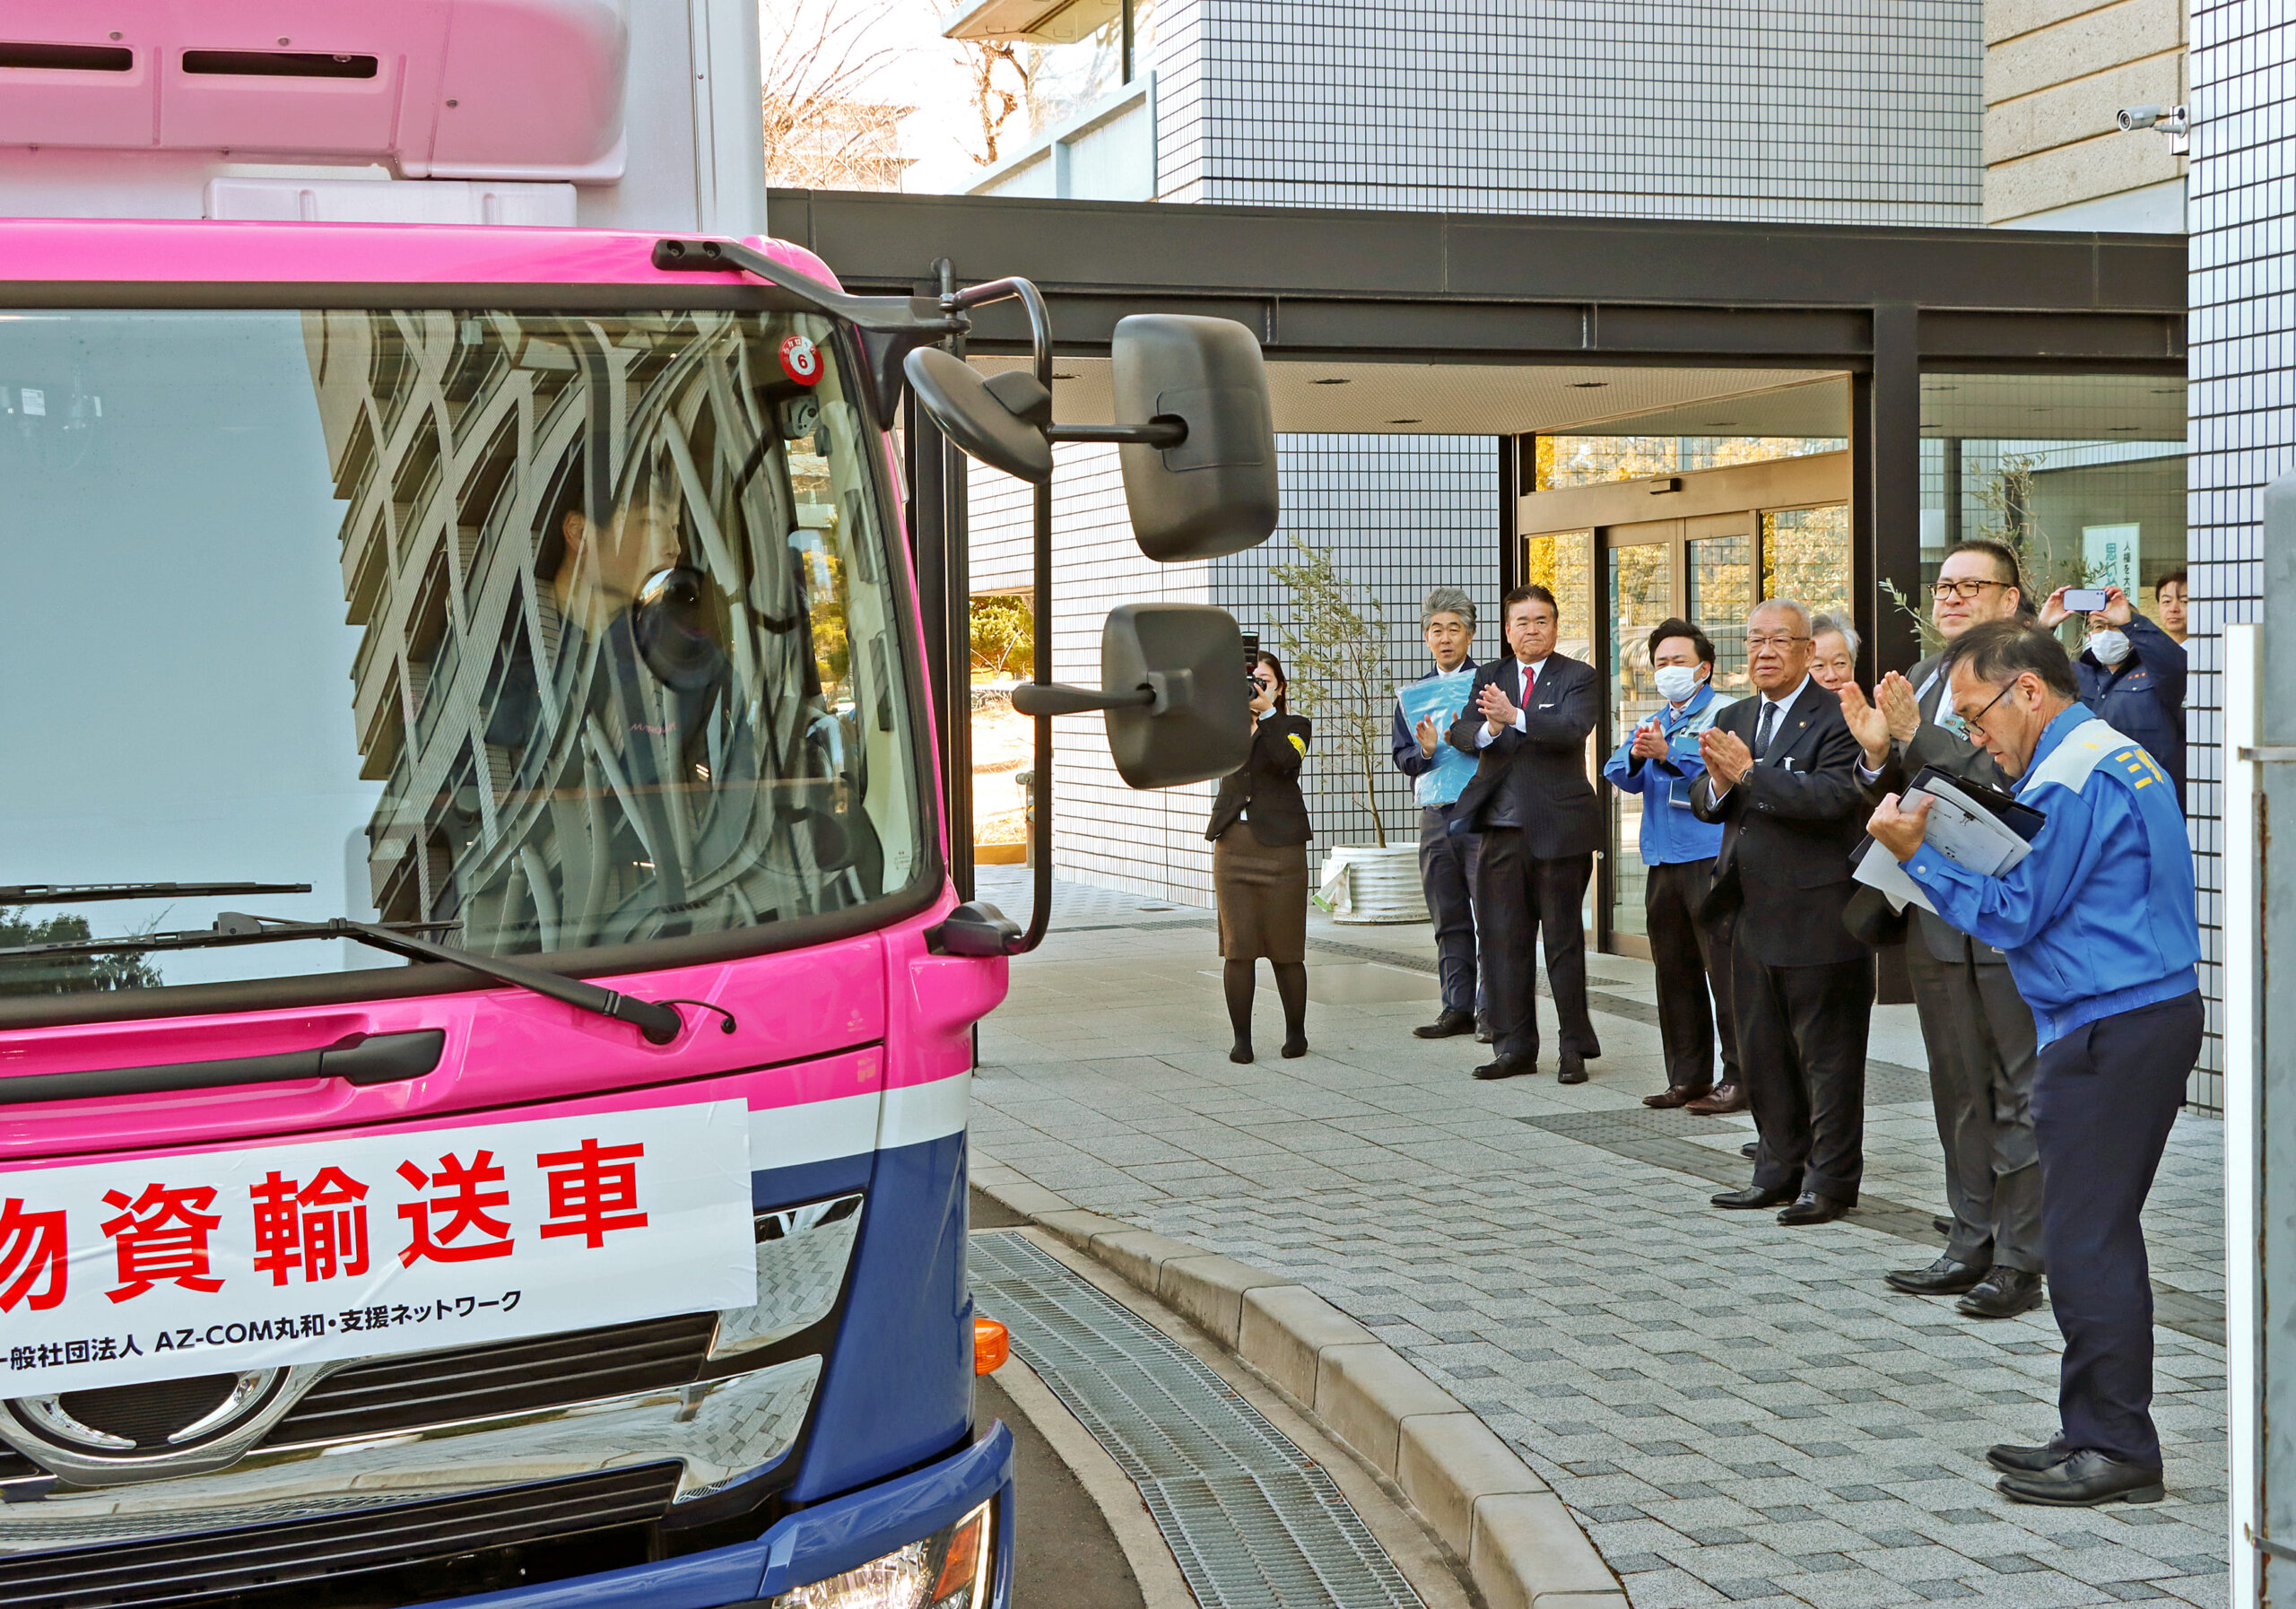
<point x="819" y="133"/>
<point x="993" y="102"/>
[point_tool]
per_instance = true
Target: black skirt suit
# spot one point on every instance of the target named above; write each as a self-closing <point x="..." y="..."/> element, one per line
<point x="1259" y="834"/>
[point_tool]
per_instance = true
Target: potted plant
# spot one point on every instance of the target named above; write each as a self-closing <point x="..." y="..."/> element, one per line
<point x="1335" y="652"/>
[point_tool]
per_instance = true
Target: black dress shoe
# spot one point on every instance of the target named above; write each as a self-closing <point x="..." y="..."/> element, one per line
<point x="1444" y="1026"/>
<point x="1947" y="1277"/>
<point x="2010" y="1458"/>
<point x="1811" y="1208"/>
<point x="1943" y="1226"/>
<point x="1573" y="1069"/>
<point x="1668" y="1099"/>
<point x="1750" y="1150"/>
<point x="1483" y="1034"/>
<point x="2004" y="1293"/>
<point x="2082" y="1480"/>
<point x="1753" y="1196"/>
<point x="1509" y="1067"/>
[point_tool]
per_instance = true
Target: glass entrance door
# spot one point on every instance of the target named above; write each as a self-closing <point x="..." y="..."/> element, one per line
<point x="1701" y="567"/>
<point x="1732" y="537"/>
<point x="1720" y="570"/>
<point x="1564" y="562"/>
<point x="1642" y="590"/>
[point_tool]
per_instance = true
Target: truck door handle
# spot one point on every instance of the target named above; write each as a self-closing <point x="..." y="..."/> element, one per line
<point x="362" y="1058"/>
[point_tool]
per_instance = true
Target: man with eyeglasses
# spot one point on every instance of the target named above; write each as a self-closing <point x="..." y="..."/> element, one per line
<point x="1977" y="1028"/>
<point x="1781" y="778"/>
<point x="2098" y="927"/>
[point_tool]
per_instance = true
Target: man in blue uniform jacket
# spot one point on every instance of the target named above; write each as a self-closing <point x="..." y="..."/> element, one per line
<point x="1659" y="760"/>
<point x="2098" y="927"/>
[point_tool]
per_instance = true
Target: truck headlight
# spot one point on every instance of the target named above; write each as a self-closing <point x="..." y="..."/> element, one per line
<point x="948" y="1570"/>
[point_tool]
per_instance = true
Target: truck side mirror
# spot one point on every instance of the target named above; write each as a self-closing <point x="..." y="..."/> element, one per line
<point x="1193" y="428"/>
<point x="1001" y="421"/>
<point x="1173" y="687"/>
<point x="1191" y="657"/>
<point x="1214" y="492"/>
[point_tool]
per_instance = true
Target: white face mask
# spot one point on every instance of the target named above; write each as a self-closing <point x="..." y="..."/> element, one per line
<point x="1675" y="682"/>
<point x="2110" y="647"/>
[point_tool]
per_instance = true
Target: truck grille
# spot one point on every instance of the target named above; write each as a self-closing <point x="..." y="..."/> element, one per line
<point x="306" y="1555"/>
<point x="510" y="1377"/>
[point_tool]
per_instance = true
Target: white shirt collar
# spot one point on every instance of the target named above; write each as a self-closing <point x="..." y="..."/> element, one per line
<point x="1786" y="702"/>
<point x="1533" y="666"/>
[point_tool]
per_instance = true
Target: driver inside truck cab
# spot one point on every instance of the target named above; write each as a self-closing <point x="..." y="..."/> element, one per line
<point x="604" y="567"/>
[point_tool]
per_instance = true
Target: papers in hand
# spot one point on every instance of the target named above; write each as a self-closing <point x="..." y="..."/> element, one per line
<point x="1959" y="828"/>
<point x="1442" y="697"/>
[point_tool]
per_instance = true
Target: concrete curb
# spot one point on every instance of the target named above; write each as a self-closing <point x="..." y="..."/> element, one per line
<point x="1521" y="1548"/>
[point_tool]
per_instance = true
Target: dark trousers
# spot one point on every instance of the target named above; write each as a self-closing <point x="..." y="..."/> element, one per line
<point x="1980" y="1035"/>
<point x="1447" y="870"/>
<point x="1690" y="955"/>
<point x="1802" y="1041"/>
<point x="1521" y="896"/>
<point x="2104" y="1097"/>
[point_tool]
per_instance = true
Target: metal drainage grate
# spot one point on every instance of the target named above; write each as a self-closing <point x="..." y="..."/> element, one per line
<point x="1253" y="1521"/>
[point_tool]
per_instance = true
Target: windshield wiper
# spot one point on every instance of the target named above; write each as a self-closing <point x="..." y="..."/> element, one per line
<point x="90" y="893"/>
<point x="658" y="1021"/>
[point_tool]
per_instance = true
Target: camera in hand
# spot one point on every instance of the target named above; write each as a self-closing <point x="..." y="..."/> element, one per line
<point x="2084" y="600"/>
<point x="1251" y="664"/>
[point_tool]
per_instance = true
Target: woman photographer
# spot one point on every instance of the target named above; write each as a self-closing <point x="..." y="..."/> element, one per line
<point x="1259" y="835"/>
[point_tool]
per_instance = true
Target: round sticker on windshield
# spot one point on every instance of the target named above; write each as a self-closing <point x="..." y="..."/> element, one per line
<point x="801" y="360"/>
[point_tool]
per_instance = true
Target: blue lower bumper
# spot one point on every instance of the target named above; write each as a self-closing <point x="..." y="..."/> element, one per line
<point x="808" y="1545"/>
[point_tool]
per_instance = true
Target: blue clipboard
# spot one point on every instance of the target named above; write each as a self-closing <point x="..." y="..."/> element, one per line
<point x="1441" y="696"/>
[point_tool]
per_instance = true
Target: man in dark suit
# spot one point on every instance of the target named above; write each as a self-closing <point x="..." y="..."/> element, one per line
<point x="1781" y="778"/>
<point x="1976" y="1026"/>
<point x="1447" y="864"/>
<point x="1526" y="721"/>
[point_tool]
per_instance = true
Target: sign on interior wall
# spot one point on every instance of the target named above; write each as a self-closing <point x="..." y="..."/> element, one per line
<point x="2110" y="552"/>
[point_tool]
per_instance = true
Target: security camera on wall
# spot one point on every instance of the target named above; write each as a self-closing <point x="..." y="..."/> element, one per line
<point x="2170" y="120"/>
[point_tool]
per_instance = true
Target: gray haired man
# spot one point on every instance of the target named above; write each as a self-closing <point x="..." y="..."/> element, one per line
<point x="1447" y="864"/>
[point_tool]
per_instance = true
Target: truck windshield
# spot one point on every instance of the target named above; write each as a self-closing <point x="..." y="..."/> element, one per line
<point x="579" y="631"/>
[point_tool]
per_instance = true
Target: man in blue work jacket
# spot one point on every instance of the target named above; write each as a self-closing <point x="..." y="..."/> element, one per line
<point x="2098" y="927"/>
<point x="1659" y="760"/>
<point x="1447" y="863"/>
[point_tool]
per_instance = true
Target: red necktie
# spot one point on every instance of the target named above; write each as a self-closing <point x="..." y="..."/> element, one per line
<point x="1530" y="681"/>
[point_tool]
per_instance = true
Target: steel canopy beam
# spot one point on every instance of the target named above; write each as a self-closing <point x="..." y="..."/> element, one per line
<point x="1337" y="285"/>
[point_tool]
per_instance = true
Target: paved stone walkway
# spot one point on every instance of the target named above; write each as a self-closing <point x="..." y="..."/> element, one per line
<point x="1735" y="1411"/>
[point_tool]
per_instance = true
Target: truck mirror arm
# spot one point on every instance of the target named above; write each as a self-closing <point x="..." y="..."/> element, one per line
<point x="891" y="326"/>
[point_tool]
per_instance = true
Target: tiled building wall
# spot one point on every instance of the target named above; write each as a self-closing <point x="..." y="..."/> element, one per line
<point x="1845" y="111"/>
<point x="1104" y="832"/>
<point x="1397" y="515"/>
<point x="2242" y="331"/>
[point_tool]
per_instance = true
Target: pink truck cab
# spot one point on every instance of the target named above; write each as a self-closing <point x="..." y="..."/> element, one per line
<point x="486" y="1021"/>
